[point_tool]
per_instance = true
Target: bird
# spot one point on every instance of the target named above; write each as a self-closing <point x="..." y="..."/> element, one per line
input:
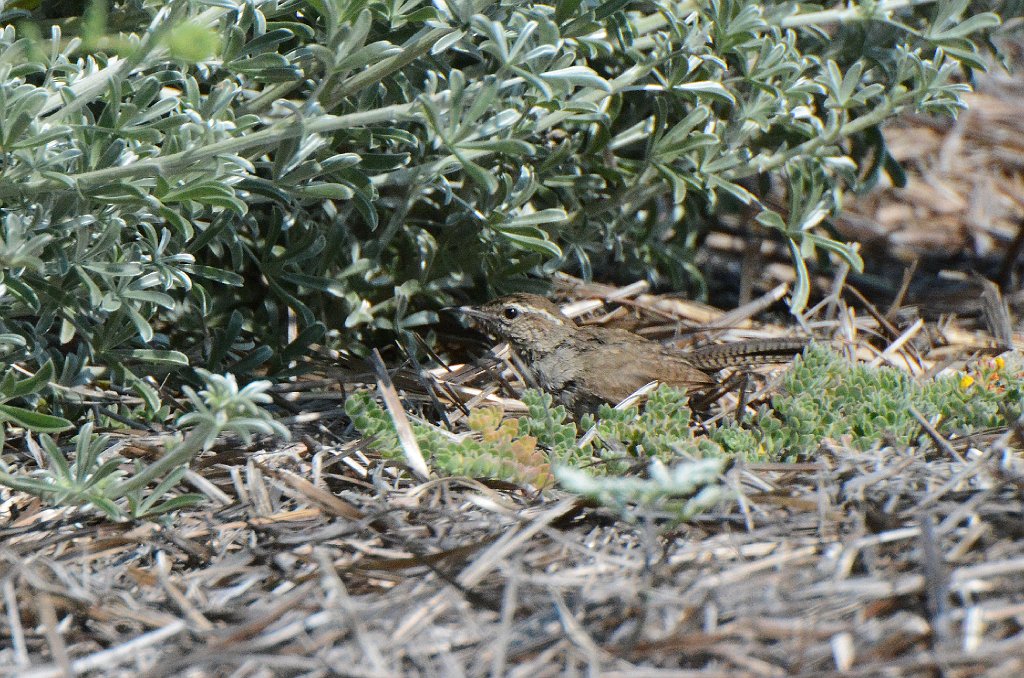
<point x="584" y="367"/>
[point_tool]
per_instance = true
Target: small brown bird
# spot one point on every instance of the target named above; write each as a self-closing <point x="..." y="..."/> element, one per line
<point x="585" y="366"/>
<point x="582" y="366"/>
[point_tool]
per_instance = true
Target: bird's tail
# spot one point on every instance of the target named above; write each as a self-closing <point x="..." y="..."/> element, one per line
<point x="750" y="352"/>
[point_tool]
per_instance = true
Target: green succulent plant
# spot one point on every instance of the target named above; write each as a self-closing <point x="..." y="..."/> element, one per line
<point x="825" y="396"/>
<point x="497" y="448"/>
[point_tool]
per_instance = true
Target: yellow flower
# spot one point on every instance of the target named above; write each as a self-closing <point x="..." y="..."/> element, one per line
<point x="966" y="381"/>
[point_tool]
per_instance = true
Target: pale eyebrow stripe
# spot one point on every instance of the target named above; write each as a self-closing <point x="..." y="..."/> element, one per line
<point x="560" y="319"/>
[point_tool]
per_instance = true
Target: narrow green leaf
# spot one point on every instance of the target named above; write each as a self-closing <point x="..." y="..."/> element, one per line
<point x="715" y="90"/>
<point x="33" y="421"/>
<point x="802" y="288"/>
<point x="479" y="175"/>
<point x="578" y="76"/>
<point x="546" y="216"/>
<point x="326" y="191"/>
<point x="31" y="385"/>
<point x="160" y="357"/>
<point x="534" y="244"/>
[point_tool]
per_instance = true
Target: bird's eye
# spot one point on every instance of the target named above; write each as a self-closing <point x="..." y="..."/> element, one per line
<point x="511" y="313"/>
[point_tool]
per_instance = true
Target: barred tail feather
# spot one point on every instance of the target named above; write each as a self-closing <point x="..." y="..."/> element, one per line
<point x="752" y="352"/>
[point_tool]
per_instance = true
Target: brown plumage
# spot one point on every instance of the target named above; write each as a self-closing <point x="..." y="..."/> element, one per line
<point x="582" y="366"/>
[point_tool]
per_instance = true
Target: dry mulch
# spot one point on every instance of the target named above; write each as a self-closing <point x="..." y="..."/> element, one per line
<point x="315" y="558"/>
<point x="964" y="193"/>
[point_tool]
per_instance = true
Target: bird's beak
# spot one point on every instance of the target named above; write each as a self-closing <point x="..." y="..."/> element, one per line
<point x="469" y="311"/>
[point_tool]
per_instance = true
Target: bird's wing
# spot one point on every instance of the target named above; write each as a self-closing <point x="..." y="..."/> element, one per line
<point x="630" y="366"/>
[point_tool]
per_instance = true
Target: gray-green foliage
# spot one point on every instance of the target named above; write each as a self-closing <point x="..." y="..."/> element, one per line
<point x="522" y="449"/>
<point x="95" y="474"/>
<point x="661" y="430"/>
<point x="31" y="389"/>
<point x="550" y="425"/>
<point x="678" y="493"/>
<point x="498" y="448"/>
<point x="184" y="182"/>
<point x="825" y="396"/>
<point x="526" y="449"/>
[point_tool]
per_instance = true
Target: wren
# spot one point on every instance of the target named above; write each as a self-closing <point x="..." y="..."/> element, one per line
<point x="582" y="366"/>
<point x="586" y="366"/>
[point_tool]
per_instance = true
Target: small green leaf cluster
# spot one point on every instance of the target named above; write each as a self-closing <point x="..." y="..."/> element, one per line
<point x="497" y="448"/>
<point x="677" y="493"/>
<point x="372" y="421"/>
<point x="825" y="396"/>
<point x="989" y="395"/>
<point x="524" y="450"/>
<point x="97" y="475"/>
<point x="86" y="480"/>
<point x="661" y="430"/>
<point x="683" y="470"/>
<point x="30" y="388"/>
<point x="551" y="426"/>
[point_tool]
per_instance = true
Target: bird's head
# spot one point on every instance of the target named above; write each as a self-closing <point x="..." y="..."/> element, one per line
<point x="527" y="321"/>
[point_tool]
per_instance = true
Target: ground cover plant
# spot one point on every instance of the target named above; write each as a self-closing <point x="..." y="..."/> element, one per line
<point x="826" y="397"/>
<point x="822" y="398"/>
